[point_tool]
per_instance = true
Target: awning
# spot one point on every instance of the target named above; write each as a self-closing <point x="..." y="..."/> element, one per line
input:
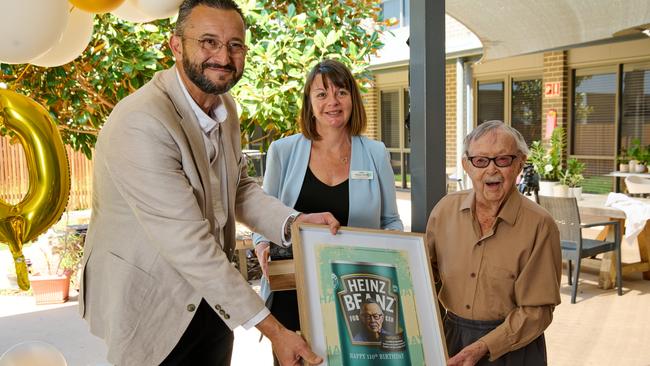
<point x="514" y="27"/>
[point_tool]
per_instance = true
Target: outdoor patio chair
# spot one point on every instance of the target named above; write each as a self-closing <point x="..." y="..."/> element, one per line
<point x="574" y="246"/>
<point x="637" y="185"/>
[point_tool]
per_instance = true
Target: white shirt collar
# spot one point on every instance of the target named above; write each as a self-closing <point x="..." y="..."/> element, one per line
<point x="206" y="122"/>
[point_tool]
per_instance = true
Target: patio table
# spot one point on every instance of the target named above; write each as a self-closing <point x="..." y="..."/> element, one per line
<point x="594" y="204"/>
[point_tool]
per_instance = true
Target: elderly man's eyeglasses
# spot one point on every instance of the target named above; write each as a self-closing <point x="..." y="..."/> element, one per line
<point x="372" y="316"/>
<point x="213" y="46"/>
<point x="502" y="161"/>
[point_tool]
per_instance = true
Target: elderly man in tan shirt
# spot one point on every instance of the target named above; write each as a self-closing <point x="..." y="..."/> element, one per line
<point x="497" y="256"/>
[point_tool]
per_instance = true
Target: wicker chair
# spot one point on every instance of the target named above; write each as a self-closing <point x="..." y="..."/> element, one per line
<point x="574" y="246"/>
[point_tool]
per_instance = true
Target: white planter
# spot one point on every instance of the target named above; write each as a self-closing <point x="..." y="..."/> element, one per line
<point x="575" y="192"/>
<point x="546" y="187"/>
<point x="561" y="190"/>
<point x="624" y="168"/>
<point x="640" y="168"/>
<point x="633" y="164"/>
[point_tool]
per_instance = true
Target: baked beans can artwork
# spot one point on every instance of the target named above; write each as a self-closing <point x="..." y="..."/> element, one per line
<point x="370" y="326"/>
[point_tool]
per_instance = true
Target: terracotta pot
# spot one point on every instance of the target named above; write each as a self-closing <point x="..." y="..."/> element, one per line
<point x="624" y="168"/>
<point x="50" y="289"/>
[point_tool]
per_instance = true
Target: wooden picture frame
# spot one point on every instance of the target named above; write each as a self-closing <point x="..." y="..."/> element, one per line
<point x="366" y="297"/>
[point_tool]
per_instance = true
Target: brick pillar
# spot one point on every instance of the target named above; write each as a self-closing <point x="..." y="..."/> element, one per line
<point x="556" y="70"/>
<point x="450" y="114"/>
<point x="371" y="103"/>
<point x="555" y="90"/>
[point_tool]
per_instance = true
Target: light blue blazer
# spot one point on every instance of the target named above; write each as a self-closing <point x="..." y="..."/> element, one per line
<point x="372" y="201"/>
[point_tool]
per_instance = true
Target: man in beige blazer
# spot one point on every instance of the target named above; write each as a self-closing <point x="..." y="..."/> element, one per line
<point x="169" y="183"/>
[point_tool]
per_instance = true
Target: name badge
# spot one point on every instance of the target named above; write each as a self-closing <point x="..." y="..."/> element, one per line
<point x="362" y="174"/>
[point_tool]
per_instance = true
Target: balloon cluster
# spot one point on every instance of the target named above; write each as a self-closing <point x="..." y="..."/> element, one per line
<point x="54" y="32"/>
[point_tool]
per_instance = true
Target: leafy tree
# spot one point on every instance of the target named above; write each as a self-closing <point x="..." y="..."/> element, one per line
<point x="80" y="95"/>
<point x="286" y="37"/>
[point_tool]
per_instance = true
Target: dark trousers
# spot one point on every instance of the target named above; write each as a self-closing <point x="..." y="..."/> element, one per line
<point x="207" y="341"/>
<point x="460" y="332"/>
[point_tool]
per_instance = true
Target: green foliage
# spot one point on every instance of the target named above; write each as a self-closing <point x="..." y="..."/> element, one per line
<point x="286" y="37"/>
<point x="572" y="175"/>
<point x="547" y="159"/>
<point x="637" y="152"/>
<point x="80" y="95"/>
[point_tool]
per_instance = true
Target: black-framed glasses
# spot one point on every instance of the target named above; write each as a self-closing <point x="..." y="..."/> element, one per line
<point x="372" y="316"/>
<point x="214" y="45"/>
<point x="502" y="161"/>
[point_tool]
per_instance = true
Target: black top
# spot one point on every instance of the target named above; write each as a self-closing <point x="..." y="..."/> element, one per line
<point x="316" y="196"/>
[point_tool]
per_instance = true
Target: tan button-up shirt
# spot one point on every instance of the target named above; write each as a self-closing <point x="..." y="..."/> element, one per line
<point x="511" y="272"/>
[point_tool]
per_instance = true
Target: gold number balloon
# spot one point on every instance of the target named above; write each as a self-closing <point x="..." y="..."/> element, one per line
<point x="96" y="6"/>
<point x="49" y="177"/>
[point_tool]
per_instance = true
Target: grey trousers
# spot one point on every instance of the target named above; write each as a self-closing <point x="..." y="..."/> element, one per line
<point x="460" y="332"/>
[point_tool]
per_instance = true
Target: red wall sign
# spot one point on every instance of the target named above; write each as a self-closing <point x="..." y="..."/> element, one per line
<point x="552" y="89"/>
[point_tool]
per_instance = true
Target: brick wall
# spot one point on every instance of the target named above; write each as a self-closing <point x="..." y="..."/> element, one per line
<point x="556" y="69"/>
<point x="371" y="102"/>
<point x="450" y="114"/>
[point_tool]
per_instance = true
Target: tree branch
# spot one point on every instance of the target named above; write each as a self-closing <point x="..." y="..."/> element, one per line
<point x="83" y="84"/>
<point x="87" y="132"/>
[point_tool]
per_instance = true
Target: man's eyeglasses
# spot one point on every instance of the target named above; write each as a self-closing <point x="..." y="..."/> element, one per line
<point x="372" y="316"/>
<point x="502" y="161"/>
<point x="213" y="46"/>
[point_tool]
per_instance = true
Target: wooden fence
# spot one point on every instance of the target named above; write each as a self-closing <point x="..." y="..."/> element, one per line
<point x="14" y="178"/>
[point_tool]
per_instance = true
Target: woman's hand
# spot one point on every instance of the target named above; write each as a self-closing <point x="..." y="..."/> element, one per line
<point x="262" y="251"/>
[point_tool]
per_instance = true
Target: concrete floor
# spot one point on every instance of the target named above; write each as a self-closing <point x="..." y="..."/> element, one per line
<point x="601" y="329"/>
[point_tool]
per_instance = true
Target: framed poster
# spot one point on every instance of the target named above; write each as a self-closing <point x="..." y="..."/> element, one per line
<point x="366" y="297"/>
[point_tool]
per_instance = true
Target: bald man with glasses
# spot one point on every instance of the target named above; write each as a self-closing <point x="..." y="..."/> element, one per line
<point x="496" y="256"/>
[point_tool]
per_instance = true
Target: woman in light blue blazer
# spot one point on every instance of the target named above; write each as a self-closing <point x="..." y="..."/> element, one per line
<point x="328" y="167"/>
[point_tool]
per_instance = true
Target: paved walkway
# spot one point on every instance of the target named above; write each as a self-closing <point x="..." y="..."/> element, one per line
<point x="601" y="329"/>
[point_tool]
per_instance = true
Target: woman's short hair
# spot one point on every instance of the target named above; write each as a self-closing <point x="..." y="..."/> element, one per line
<point x="332" y="71"/>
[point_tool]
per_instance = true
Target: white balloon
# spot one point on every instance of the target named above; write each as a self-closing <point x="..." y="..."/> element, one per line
<point x="33" y="353"/>
<point x="159" y="9"/>
<point x="29" y="28"/>
<point x="129" y="12"/>
<point x="73" y="42"/>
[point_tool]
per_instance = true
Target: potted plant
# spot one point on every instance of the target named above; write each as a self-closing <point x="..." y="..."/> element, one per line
<point x="623" y="161"/>
<point x="574" y="177"/>
<point x="637" y="154"/>
<point x="61" y="254"/>
<point x="547" y="161"/>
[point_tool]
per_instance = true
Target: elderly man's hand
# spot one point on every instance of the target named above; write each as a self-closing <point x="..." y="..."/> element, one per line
<point x="324" y="218"/>
<point x="469" y="355"/>
<point x="289" y="347"/>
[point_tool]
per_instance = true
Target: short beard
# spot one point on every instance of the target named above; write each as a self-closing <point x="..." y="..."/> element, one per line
<point x="195" y="74"/>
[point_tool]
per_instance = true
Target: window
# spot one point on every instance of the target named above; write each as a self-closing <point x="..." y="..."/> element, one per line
<point x="526" y="108"/>
<point x="398" y="9"/>
<point x="594" y="126"/>
<point x="395" y="132"/>
<point x="635" y="109"/>
<point x="490" y="101"/>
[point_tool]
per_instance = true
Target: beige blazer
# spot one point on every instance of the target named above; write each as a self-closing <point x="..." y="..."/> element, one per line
<point x="150" y="255"/>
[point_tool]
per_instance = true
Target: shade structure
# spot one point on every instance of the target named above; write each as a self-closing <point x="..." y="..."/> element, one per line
<point x="515" y="27"/>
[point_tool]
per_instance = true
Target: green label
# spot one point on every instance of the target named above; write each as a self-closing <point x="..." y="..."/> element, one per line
<point x="369" y="315"/>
